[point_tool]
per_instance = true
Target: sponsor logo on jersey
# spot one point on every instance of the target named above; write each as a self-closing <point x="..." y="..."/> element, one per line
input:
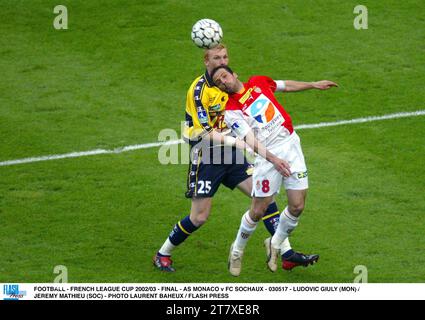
<point x="302" y="175"/>
<point x="217" y="107"/>
<point x="262" y="110"/>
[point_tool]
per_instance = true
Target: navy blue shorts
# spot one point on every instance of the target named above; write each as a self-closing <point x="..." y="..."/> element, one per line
<point x="211" y="167"/>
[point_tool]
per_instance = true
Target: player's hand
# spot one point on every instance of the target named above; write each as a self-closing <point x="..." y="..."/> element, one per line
<point x="250" y="154"/>
<point x="282" y="167"/>
<point x="324" y="84"/>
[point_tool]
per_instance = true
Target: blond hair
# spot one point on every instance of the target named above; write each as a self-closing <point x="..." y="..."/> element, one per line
<point x="220" y="46"/>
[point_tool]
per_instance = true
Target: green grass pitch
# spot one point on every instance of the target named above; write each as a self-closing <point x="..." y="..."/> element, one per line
<point x="119" y="75"/>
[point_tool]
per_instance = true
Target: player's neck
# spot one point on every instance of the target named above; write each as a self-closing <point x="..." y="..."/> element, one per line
<point x="240" y="87"/>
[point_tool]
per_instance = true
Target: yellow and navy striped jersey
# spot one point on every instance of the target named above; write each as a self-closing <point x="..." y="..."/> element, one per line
<point x="205" y="105"/>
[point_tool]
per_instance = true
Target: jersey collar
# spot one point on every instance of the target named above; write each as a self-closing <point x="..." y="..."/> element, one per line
<point x="210" y="81"/>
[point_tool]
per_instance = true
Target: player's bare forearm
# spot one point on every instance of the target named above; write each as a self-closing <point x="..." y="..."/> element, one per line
<point x="281" y="165"/>
<point x="294" y="86"/>
<point x="258" y="148"/>
<point x="218" y="138"/>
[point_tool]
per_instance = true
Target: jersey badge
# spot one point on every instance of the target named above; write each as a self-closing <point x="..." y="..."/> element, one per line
<point x="258" y="186"/>
<point x="202" y="115"/>
<point x="246" y="96"/>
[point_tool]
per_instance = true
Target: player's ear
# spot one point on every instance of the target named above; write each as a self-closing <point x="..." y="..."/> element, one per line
<point x="235" y="75"/>
<point x="206" y="58"/>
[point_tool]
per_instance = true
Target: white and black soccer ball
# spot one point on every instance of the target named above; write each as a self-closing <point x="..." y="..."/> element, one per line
<point x="206" y="33"/>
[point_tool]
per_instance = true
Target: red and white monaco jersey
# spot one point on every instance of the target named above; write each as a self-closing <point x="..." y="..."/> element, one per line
<point x="257" y="109"/>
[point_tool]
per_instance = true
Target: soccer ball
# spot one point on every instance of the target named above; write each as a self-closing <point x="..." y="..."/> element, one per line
<point x="206" y="33"/>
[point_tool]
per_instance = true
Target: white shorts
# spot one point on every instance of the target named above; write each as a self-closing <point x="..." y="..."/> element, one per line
<point x="266" y="180"/>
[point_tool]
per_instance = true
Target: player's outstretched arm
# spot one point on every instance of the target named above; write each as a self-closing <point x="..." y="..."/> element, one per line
<point x="324" y="84"/>
<point x="294" y="86"/>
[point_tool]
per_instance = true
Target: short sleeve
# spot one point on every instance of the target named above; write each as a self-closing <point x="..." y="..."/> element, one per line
<point x="264" y="81"/>
<point x="235" y="121"/>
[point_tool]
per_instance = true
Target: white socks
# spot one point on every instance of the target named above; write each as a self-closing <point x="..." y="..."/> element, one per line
<point x="166" y="248"/>
<point x="246" y="228"/>
<point x="286" y="225"/>
<point x="285" y="246"/>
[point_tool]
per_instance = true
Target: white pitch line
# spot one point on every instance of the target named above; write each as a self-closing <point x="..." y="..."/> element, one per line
<point x="158" y="144"/>
<point x="362" y="120"/>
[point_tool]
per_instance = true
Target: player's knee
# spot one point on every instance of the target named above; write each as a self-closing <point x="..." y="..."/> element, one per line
<point x="296" y="209"/>
<point x="200" y="218"/>
<point x="258" y="212"/>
